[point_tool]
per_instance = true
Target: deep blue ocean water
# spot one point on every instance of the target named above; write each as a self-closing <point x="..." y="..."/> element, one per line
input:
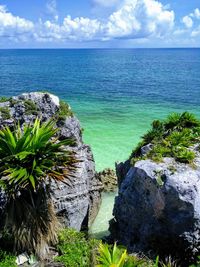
<point x="116" y="93"/>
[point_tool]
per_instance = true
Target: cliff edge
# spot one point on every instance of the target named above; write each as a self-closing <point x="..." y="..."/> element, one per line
<point x="77" y="203"/>
<point x="157" y="210"/>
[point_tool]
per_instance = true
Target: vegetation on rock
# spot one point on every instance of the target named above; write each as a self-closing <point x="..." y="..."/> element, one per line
<point x="5" y="113"/>
<point x="30" y="107"/>
<point x="29" y="159"/>
<point x="63" y="112"/>
<point x="172" y="137"/>
<point x="4" y="99"/>
<point x="109" y="179"/>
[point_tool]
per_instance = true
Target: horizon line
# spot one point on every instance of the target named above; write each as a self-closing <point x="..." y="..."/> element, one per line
<point x="93" y="48"/>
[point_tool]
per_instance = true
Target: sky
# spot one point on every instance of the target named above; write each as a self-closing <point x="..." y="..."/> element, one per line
<point x="99" y="23"/>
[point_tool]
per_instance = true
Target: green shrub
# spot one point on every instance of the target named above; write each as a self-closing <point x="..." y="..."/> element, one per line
<point x="7" y="260"/>
<point x="184" y="155"/>
<point x="155" y="133"/>
<point x="171" y="138"/>
<point x="64" y="111"/>
<point x="181" y="121"/>
<point x="75" y="250"/>
<point x="30" y="107"/>
<point x="4" y="99"/>
<point x="117" y="256"/>
<point x="5" y="113"/>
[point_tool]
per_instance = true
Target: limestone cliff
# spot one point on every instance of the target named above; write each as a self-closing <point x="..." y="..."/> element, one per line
<point x="78" y="202"/>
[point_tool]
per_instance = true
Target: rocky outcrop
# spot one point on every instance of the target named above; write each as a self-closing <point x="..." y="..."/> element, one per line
<point x="109" y="180"/>
<point x="158" y="208"/>
<point x="78" y="202"/>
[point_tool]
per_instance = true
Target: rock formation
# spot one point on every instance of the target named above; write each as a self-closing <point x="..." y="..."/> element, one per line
<point x="158" y="207"/>
<point x="77" y="203"/>
<point x="109" y="180"/>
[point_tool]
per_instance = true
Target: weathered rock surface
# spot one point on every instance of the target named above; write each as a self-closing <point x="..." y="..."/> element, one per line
<point x="78" y="202"/>
<point x="2" y="205"/>
<point x="158" y="208"/>
<point x="109" y="180"/>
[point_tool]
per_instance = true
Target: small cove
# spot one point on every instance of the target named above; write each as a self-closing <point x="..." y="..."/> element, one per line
<point x="100" y="226"/>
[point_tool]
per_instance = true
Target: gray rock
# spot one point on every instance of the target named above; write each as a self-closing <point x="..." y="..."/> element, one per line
<point x="22" y="258"/>
<point x="78" y="202"/>
<point x="146" y="149"/>
<point x="158" y="208"/>
<point x="2" y="206"/>
<point x="121" y="170"/>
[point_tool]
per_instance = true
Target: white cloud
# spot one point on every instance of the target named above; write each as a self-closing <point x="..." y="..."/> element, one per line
<point x="196" y="32"/>
<point x="191" y="23"/>
<point x="197" y="13"/>
<point x="140" y="18"/>
<point x="134" y="19"/>
<point x="72" y="29"/>
<point x="187" y="21"/>
<point x="13" y="26"/>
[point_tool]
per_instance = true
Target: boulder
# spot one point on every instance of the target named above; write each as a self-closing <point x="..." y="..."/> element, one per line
<point x="78" y="202"/>
<point x="158" y="208"/>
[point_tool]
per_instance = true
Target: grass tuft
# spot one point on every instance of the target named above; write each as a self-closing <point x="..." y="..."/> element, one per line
<point x="63" y="112"/>
<point x="30" y="107"/>
<point x="5" y="113"/>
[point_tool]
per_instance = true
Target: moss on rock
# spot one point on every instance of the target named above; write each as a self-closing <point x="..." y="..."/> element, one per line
<point x="30" y="107"/>
<point x="5" y="113"/>
<point x="63" y="112"/>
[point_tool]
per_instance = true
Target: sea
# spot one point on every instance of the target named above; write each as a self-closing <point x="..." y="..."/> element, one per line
<point x="115" y="93"/>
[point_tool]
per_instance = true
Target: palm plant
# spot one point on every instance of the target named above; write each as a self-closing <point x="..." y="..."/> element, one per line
<point x="180" y="121"/>
<point x="172" y="137"/>
<point x="29" y="160"/>
<point x="116" y="257"/>
<point x="106" y="258"/>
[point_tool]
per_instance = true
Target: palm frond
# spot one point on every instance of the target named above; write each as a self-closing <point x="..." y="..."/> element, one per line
<point x="27" y="158"/>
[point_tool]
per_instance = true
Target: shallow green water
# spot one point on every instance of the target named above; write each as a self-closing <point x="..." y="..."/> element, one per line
<point x="112" y="138"/>
<point x="101" y="223"/>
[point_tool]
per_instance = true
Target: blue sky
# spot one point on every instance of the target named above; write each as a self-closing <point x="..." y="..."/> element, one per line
<point x="99" y="23"/>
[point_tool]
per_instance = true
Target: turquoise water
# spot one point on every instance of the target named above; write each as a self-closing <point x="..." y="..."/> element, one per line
<point x="100" y="226"/>
<point x="115" y="93"/>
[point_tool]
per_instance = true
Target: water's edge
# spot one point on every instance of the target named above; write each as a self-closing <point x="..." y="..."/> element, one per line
<point x="100" y="226"/>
